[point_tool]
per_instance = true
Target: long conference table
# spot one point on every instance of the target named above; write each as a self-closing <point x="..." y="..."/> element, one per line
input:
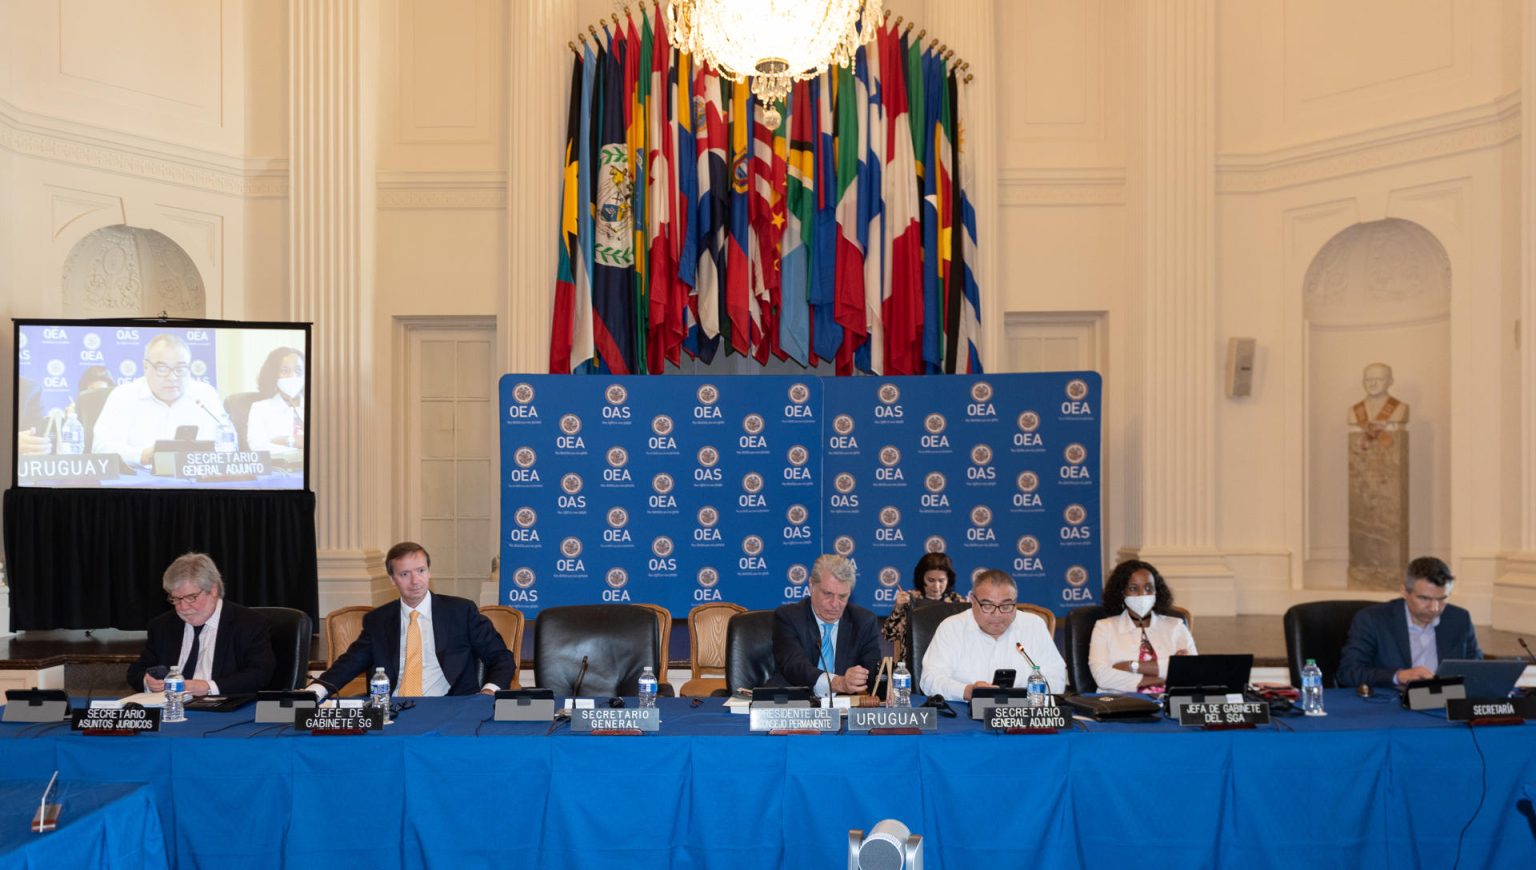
<point x="1370" y="785"/>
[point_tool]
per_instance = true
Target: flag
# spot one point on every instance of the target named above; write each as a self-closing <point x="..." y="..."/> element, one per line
<point x="685" y="232"/>
<point x="826" y="334"/>
<point x="967" y="262"/>
<point x="767" y="218"/>
<point x="665" y="316"/>
<point x="562" y="327"/>
<point x="582" y="348"/>
<point x="637" y="81"/>
<point x="870" y="357"/>
<point x="933" y="194"/>
<point x="737" y="265"/>
<point x="613" y="322"/>
<point x="955" y="357"/>
<point x="800" y="219"/>
<point x="711" y="141"/>
<point x="902" y="306"/>
<point x="851" y="133"/>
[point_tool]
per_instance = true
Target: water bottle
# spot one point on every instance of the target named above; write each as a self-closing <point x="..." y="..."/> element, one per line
<point x="225" y="440"/>
<point x="901" y="686"/>
<point x="72" y="434"/>
<point x="378" y="691"/>
<point x="1039" y="690"/>
<point x="647" y="687"/>
<point x="1312" y="689"/>
<point x="175" y="696"/>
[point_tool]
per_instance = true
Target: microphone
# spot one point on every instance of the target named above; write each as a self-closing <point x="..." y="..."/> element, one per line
<point x="938" y="702"/>
<point x="217" y="420"/>
<point x="1020" y="648"/>
<point x="1528" y="654"/>
<point x="581" y="675"/>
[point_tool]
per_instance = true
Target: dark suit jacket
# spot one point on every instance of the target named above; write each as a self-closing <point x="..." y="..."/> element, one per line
<point x="1378" y="643"/>
<point x="242" y="652"/>
<point x="459" y="631"/>
<point x="797" y="644"/>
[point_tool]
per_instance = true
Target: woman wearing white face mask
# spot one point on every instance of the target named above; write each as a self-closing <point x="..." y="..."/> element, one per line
<point x="276" y="422"/>
<point x="1130" y="648"/>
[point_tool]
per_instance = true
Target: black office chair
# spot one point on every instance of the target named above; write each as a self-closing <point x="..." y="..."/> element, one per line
<point x="88" y="407"/>
<point x="922" y="623"/>
<point x="1318" y="631"/>
<point x="749" y="650"/>
<point x="1076" y="636"/>
<point x="292" y="635"/>
<point x="617" y="640"/>
<point x="238" y="406"/>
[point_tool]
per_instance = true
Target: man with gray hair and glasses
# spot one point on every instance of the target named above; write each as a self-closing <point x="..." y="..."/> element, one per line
<point x="221" y="647"/>
<point x="970" y="646"/>
<point x="824" y="642"/>
<point x="151" y="408"/>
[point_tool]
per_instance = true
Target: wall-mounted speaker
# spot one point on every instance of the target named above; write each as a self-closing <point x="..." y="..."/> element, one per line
<point x="1240" y="353"/>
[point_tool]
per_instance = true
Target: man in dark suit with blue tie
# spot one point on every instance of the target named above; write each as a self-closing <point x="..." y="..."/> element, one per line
<point x="427" y="643"/>
<point x="1405" y="639"/>
<point x="825" y="642"/>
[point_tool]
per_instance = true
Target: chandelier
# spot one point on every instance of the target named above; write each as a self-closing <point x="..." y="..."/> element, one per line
<point x="774" y="42"/>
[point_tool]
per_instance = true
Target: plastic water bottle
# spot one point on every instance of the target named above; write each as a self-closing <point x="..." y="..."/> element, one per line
<point x="647" y="687"/>
<point x="175" y="696"/>
<point x="378" y="691"/>
<point x="1312" y="689"/>
<point x="1039" y="690"/>
<point x="901" y="686"/>
<point x="72" y="434"/>
<point x="225" y="440"/>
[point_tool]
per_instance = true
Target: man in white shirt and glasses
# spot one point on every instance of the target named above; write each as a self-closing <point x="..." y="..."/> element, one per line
<point x="221" y="647"/>
<point x="994" y="634"/>
<point x="153" y="407"/>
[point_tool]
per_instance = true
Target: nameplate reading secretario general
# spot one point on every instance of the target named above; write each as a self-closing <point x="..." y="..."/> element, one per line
<point x="796" y="719"/>
<point x="339" y="720"/>
<point x="587" y="719"/>
<point x="1486" y="709"/>
<point x="872" y="718"/>
<point x="1026" y="719"/>
<point x="1224" y="715"/>
<point x="115" y="721"/>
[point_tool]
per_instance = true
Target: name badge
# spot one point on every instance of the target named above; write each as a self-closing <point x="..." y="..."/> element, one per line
<point x="339" y="721"/>
<point x="796" y="719"/>
<point x="871" y="718"/>
<point x="1476" y="709"/>
<point x="115" y="721"/>
<point x="1012" y="718"/>
<point x="589" y="719"/>
<point x="1224" y="715"/>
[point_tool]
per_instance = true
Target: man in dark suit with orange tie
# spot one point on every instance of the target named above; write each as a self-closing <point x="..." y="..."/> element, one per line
<point x="824" y="642"/>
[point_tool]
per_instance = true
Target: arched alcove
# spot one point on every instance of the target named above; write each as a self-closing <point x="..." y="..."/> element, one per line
<point x="1376" y="292"/>
<point x="123" y="271"/>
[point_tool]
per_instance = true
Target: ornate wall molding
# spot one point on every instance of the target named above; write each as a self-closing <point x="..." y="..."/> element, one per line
<point x="1036" y="186"/>
<point x="442" y="190"/>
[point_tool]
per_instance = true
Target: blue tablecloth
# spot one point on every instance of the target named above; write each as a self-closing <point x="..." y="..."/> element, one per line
<point x="1370" y="785"/>
<point x="102" y="824"/>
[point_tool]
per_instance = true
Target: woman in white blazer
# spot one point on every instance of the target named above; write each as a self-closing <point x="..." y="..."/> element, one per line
<point x="1131" y="646"/>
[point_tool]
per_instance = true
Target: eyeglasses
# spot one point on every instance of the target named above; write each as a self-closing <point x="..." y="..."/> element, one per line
<point x="178" y="600"/>
<point x="164" y="370"/>
<point x="989" y="607"/>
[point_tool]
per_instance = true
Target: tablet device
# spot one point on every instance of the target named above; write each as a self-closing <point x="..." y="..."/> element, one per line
<point x="1485" y="678"/>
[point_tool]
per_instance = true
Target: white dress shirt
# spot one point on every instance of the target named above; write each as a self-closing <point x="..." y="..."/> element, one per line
<point x="433" y="683"/>
<point x="132" y="419"/>
<point x="961" y="654"/>
<point x="272" y="418"/>
<point x="205" y="642"/>
<point x="1118" y="639"/>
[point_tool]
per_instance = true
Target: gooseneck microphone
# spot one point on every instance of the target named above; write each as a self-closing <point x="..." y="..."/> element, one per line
<point x="580" y="675"/>
<point x="1528" y="654"/>
<point x="217" y="420"/>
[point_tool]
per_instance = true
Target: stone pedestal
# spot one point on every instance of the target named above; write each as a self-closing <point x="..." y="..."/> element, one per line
<point x="1378" y="508"/>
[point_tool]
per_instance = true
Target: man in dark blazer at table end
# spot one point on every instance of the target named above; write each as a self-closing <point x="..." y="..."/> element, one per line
<point x="221" y="647"/>
<point x="427" y="643"/>
<point x="1406" y="639"/>
<point x="825" y="642"/>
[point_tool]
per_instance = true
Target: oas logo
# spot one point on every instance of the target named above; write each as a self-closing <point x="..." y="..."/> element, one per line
<point x="127" y="367"/>
<point x="1029" y="545"/>
<point x="570" y="548"/>
<point x="889" y="456"/>
<point x="888" y="394"/>
<point x="570" y="424"/>
<point x="842" y="424"/>
<point x="799" y="393"/>
<point x="1075" y="514"/>
<point x="708" y="395"/>
<point x="798" y="455"/>
<point x="571" y="483"/>
<point x="934" y="544"/>
<point x="843" y="483"/>
<point x="662" y="425"/>
<point x="662" y="546"/>
<point x="525" y="517"/>
<point x="616" y="578"/>
<point x="981" y="391"/>
<point x="92" y="341"/>
<point x="752" y="545"/>
<point x="615" y="394"/>
<point x="1077" y="575"/>
<point x="199" y="368"/>
<point x="1028" y="481"/>
<point x="797" y="575"/>
<point x="523" y="578"/>
<point x="889" y="576"/>
<point x="662" y="483"/>
<point x="522" y="394"/>
<point x="617" y="517"/>
<point x="752" y="482"/>
<point x="708" y="456"/>
<point x="843" y="546"/>
<point x="1077" y="389"/>
<point x="796" y="514"/>
<point x="708" y="516"/>
<point x="708" y="577"/>
<point x="55" y="367"/>
<point x="1029" y="421"/>
<point x="753" y="424"/>
<point x="935" y="481"/>
<point x="1075" y="453"/>
<point x="617" y="456"/>
<point x="525" y="457"/>
<point x="934" y="423"/>
<point x="981" y="454"/>
<point x="889" y="516"/>
<point x="981" y="515"/>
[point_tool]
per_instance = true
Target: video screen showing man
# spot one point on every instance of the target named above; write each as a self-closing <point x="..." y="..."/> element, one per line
<point x="155" y="406"/>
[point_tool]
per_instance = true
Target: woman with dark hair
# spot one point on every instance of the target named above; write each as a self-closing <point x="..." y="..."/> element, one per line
<point x="933" y="579"/>
<point x="1130" y="647"/>
<point x="276" y="421"/>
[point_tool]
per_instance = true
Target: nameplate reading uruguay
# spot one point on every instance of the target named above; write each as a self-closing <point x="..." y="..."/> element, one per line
<point x="795" y="719"/>
<point x="1469" y="709"/>
<point x="870" y="718"/>
<point x="1224" y="715"/>
<point x="1013" y="717"/>
<point x="81" y="466"/>
<point x="115" y="721"/>
<point x="338" y="720"/>
<point x="586" y="719"/>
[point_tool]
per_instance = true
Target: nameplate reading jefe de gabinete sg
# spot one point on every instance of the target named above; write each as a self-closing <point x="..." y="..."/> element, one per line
<point x="339" y="720"/>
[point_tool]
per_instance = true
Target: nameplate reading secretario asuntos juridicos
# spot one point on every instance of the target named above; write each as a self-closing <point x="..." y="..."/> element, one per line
<point x="115" y="721"/>
<point x="796" y="719"/>
<point x="1489" y="709"/>
<point x="1224" y="715"/>
<point x="871" y="718"/>
<point x="339" y="720"/>
<point x="1026" y="719"/>
<point x="585" y="719"/>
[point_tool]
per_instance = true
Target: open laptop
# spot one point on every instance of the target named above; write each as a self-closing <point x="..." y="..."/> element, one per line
<point x="1484" y="678"/>
<point x="1208" y="674"/>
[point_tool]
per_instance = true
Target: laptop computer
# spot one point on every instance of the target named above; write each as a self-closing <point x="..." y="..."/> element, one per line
<point x="1485" y="678"/>
<point x="219" y="703"/>
<point x="1208" y="674"/>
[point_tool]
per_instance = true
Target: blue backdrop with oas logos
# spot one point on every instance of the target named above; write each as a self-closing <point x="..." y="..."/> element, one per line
<point x="683" y="490"/>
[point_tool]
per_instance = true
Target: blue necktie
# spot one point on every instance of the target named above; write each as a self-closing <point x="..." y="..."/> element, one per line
<point x="828" y="654"/>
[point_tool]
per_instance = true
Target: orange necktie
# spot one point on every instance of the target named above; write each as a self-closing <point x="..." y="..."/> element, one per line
<point x="410" y="678"/>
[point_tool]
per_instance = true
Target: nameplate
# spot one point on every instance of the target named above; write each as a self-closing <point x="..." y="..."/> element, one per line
<point x="1245" y="714"/>
<point x="880" y="718"/>
<point x="1014" y="719"/>
<point x="1485" y="709"/>
<point x="115" y="721"/>
<point x="589" y="719"/>
<point x="212" y="465"/>
<point x="339" y="720"/>
<point x="818" y="719"/>
<point x="83" y="467"/>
